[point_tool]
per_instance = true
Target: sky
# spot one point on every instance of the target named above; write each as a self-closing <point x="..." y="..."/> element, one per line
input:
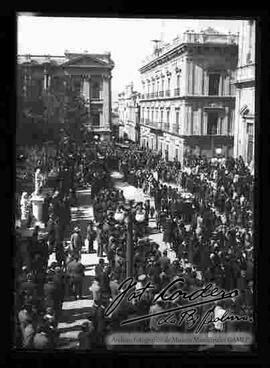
<point x="128" y="40"/>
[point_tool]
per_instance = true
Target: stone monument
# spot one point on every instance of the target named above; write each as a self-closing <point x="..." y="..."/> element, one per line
<point x="24" y="207"/>
<point x="37" y="199"/>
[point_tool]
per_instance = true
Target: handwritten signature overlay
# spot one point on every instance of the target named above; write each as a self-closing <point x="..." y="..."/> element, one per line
<point x="189" y="313"/>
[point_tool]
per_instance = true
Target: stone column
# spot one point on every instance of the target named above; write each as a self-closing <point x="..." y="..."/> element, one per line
<point x="37" y="208"/>
<point x="106" y="101"/>
<point x="110" y="104"/>
<point x="88" y="82"/>
<point x="45" y="80"/>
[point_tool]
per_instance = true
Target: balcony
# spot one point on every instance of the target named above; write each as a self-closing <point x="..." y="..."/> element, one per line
<point x="177" y="92"/>
<point x="97" y="98"/>
<point x="156" y="126"/>
<point x="245" y="73"/>
<point x="175" y="128"/>
<point x="166" y="127"/>
<point x="168" y="93"/>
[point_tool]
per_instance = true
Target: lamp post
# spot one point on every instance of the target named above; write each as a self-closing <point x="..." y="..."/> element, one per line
<point x="129" y="245"/>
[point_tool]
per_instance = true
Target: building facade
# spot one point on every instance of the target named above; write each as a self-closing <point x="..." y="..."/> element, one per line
<point x="188" y="100"/>
<point x="45" y="83"/>
<point x="129" y="110"/>
<point x="245" y="94"/>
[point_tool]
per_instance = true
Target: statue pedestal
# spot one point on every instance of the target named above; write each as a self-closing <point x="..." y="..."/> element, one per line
<point x="37" y="209"/>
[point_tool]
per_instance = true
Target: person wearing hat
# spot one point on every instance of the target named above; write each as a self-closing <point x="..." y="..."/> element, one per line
<point x="155" y="307"/>
<point x="59" y="280"/>
<point x="76" y="242"/>
<point x="41" y="339"/>
<point x="99" y="268"/>
<point x="50" y="290"/>
<point x="85" y="336"/>
<point x="90" y="236"/>
<point x="165" y="261"/>
<point x="99" y="238"/>
<point x="29" y="286"/>
<point x="114" y="286"/>
<point x="28" y="334"/>
<point x="75" y="270"/>
<point x="25" y="315"/>
<point x="51" y="233"/>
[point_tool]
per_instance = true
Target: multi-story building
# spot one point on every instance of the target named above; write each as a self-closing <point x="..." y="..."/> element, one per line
<point x="46" y="82"/>
<point x="245" y="94"/>
<point x="188" y="101"/>
<point x="128" y="106"/>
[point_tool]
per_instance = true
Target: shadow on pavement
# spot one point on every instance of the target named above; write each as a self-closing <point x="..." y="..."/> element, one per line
<point x="72" y="315"/>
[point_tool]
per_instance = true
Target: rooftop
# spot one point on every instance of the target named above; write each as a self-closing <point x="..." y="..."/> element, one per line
<point x="208" y="36"/>
<point x="61" y="59"/>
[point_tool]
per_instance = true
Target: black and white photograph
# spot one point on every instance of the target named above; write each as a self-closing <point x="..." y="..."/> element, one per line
<point x="135" y="170"/>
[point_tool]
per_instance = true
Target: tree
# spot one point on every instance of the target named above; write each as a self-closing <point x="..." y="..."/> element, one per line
<point x="75" y="118"/>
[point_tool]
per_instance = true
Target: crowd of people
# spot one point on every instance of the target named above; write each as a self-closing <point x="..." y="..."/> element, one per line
<point x="203" y="209"/>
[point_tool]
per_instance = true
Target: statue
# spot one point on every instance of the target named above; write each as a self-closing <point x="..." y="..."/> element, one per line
<point x="24" y="206"/>
<point x="38" y="181"/>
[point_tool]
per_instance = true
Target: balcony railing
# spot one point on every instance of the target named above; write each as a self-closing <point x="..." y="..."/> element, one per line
<point x="156" y="125"/>
<point x="246" y="72"/>
<point x="175" y="128"/>
<point x="177" y="91"/>
<point x="168" y="93"/>
<point x="97" y="98"/>
<point x="166" y="126"/>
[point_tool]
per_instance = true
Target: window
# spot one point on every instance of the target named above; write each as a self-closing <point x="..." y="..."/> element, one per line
<point x="176" y="154"/>
<point x="178" y="81"/>
<point x="157" y="86"/>
<point x="162" y="85"/>
<point x="96" y="90"/>
<point x="212" y="123"/>
<point x="167" y="153"/>
<point x="250" y="129"/>
<point x="96" y="119"/>
<point x="161" y="116"/>
<point x="169" y="83"/>
<point x="177" y="117"/>
<point x="168" y="116"/>
<point x="250" y="151"/>
<point x="156" y="114"/>
<point x="214" y="83"/>
<point x="152" y="115"/>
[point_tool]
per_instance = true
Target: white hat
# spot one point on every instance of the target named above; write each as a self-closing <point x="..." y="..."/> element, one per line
<point x="141" y="277"/>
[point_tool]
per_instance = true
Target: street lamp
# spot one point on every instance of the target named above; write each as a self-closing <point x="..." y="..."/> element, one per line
<point x="130" y="245"/>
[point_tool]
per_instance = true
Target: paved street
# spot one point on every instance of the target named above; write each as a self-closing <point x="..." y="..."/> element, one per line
<point x="76" y="312"/>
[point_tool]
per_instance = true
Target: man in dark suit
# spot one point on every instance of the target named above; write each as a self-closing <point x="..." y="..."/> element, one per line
<point x="76" y="241"/>
<point x="75" y="270"/>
